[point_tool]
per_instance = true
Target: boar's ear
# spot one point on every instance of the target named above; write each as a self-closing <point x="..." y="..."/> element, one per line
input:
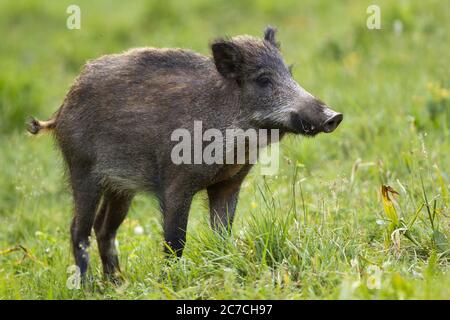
<point x="269" y="36"/>
<point x="227" y="58"/>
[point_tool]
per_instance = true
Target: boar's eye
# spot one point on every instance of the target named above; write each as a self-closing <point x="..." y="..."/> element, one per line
<point x="263" y="81"/>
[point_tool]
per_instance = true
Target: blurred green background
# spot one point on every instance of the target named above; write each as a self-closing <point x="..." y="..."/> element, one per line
<point x="318" y="229"/>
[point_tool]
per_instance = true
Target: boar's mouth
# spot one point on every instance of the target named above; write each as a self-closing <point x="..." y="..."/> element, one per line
<point x="303" y="126"/>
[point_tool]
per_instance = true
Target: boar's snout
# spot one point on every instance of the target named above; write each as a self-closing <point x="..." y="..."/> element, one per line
<point x="332" y="122"/>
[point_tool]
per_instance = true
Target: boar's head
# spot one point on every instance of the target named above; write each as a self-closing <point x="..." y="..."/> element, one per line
<point x="269" y="97"/>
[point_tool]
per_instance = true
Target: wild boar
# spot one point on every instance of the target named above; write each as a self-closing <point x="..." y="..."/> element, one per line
<point x="115" y="123"/>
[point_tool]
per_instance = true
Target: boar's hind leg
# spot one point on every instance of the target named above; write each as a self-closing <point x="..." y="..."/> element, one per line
<point x="86" y="194"/>
<point x="175" y="207"/>
<point x="110" y="216"/>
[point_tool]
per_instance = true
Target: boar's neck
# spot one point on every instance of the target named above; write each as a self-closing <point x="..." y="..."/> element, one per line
<point x="223" y="104"/>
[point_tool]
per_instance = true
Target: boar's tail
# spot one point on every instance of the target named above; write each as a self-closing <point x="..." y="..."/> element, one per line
<point x="35" y="126"/>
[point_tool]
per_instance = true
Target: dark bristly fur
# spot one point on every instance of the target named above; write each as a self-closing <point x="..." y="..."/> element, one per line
<point x="115" y="124"/>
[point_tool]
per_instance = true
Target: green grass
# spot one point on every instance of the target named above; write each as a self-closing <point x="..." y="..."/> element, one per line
<point x="317" y="230"/>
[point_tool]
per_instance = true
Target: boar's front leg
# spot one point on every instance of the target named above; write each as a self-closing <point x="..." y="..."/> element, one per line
<point x="175" y="207"/>
<point x="223" y="198"/>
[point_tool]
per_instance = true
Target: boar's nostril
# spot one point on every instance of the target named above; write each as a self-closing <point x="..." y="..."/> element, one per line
<point x="332" y="123"/>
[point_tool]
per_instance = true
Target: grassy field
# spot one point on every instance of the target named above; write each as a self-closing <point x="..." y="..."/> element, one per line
<point x="320" y="229"/>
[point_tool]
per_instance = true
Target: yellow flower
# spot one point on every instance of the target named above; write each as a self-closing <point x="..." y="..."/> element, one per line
<point x="254" y="205"/>
<point x="437" y="91"/>
<point x="351" y="61"/>
<point x="388" y="205"/>
<point x="418" y="99"/>
<point x="286" y="278"/>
